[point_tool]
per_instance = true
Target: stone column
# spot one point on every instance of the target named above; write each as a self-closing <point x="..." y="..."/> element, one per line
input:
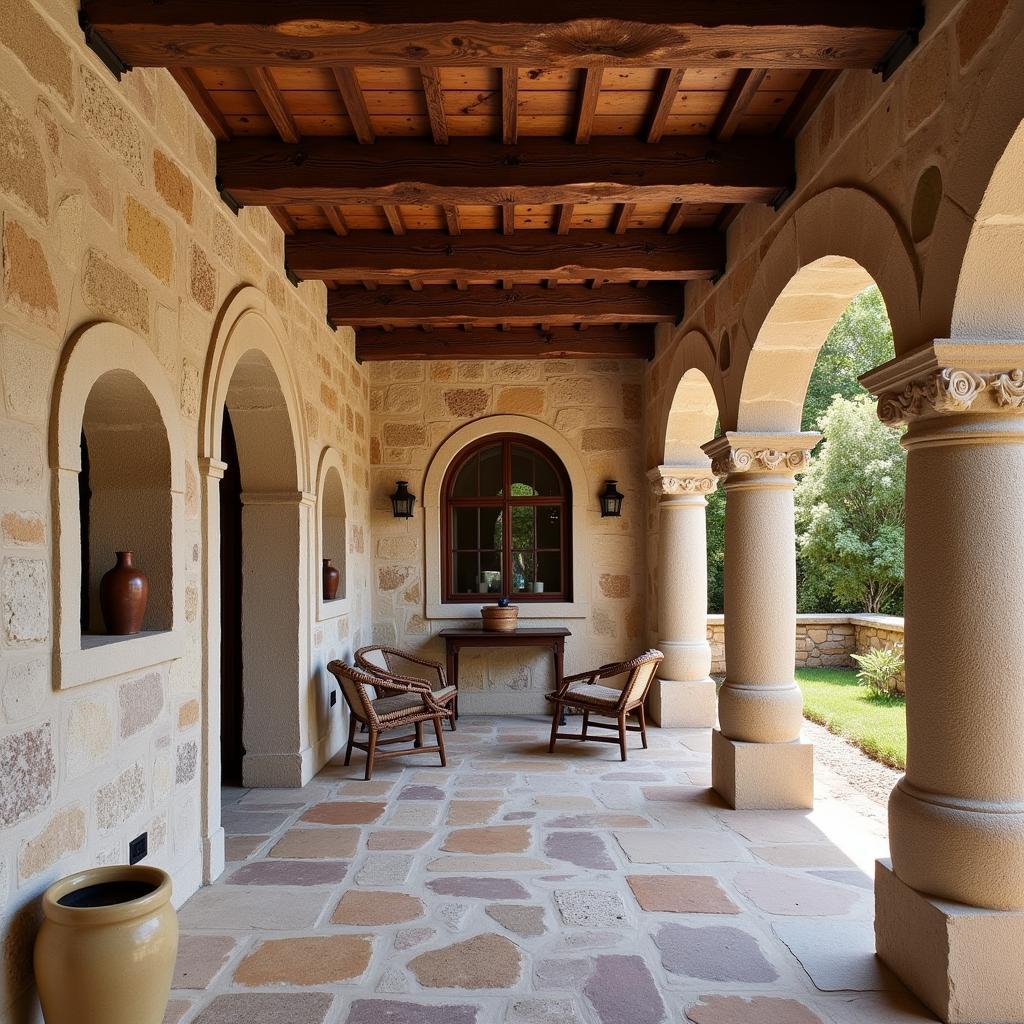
<point x="949" y="907"/>
<point x="683" y="695"/>
<point x="757" y="758"/>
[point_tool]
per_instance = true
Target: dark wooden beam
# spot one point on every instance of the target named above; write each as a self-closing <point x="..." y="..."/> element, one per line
<point x="666" y="95"/>
<point x="451" y="218"/>
<point x="284" y="221"/>
<point x="631" y="342"/>
<point x="273" y="102"/>
<point x="508" y="218"/>
<point x="636" y="255"/>
<point x="563" y="222"/>
<point x="690" y="169"/>
<point x="620" y="219"/>
<point x="336" y="220"/>
<point x="748" y="81"/>
<point x="431" y="79"/>
<point x="509" y="105"/>
<point x="674" y="220"/>
<point x="590" y="87"/>
<point x="194" y="89"/>
<point x="811" y="93"/>
<point x="355" y="103"/>
<point x="522" y="306"/>
<point x="531" y="33"/>
<point x="394" y="219"/>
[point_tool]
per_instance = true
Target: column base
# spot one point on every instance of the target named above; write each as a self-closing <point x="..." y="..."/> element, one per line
<point x="962" y="962"/>
<point x="213" y="856"/>
<point x="684" y="703"/>
<point x="762" y="776"/>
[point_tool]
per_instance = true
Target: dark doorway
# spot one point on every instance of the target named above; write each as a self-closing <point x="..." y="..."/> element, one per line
<point x="231" y="702"/>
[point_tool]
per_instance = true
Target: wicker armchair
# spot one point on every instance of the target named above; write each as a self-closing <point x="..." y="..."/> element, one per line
<point x="397" y="705"/>
<point x="389" y="663"/>
<point x="583" y="691"/>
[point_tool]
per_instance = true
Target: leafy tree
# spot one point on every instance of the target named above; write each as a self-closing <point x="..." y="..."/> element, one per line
<point x="849" y="508"/>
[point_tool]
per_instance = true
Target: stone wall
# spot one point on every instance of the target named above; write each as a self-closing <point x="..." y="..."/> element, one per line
<point x="595" y="408"/>
<point x="108" y="212"/>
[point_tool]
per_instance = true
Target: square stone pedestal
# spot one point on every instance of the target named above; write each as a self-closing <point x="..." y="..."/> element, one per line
<point x="683" y="704"/>
<point x="963" y="963"/>
<point x="762" y="776"/>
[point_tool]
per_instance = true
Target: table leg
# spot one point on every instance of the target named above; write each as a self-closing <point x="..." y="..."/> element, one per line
<point x="452" y="657"/>
<point x="558" y="652"/>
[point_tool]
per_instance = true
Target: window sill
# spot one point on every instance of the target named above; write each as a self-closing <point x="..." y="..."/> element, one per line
<point x="102" y="657"/>
<point x="530" y="610"/>
<point x="328" y="610"/>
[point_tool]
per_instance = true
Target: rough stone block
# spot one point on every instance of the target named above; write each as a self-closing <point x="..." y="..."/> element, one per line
<point x="24" y="689"/>
<point x="23" y="529"/>
<point x="141" y="701"/>
<point x="690" y="704"/>
<point x="527" y="401"/>
<point x="202" y="278"/>
<point x="22" y="171"/>
<point x="118" y="800"/>
<point x="28" y="770"/>
<point x="149" y="239"/>
<point x="42" y="51"/>
<point x="88" y="737"/>
<point x="25" y="608"/>
<point x="113" y="124"/>
<point x="762" y="775"/>
<point x="187" y="762"/>
<point x="28" y="282"/>
<point x="173" y="184"/>
<point x="66" y="833"/>
<point x="467" y="402"/>
<point x="110" y="291"/>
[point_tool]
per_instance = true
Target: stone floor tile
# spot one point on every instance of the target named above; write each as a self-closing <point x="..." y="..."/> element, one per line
<point x="421" y="793"/>
<point x="376" y="908"/>
<point x="289" y="872"/>
<point x="519" y="816"/>
<point x="479" y="793"/>
<point x="847" y="877"/>
<point x="774" y="826"/>
<point x="479" y="888"/>
<point x="590" y="908"/>
<point x="489" y="839"/>
<point x="414" y="815"/>
<point x="779" y="892"/>
<point x="484" y="961"/>
<point x="877" y="1008"/>
<point x="757" y="1010"/>
<point x="803" y="855"/>
<point x="430" y="777"/>
<point x="713" y="953"/>
<point x="360" y="789"/>
<point x="524" y="921"/>
<point x="317" y="844"/>
<point x="584" y="849"/>
<point x="384" y="869"/>
<point x="398" y="839"/>
<point x="472" y="812"/>
<point x="239" y="847"/>
<point x="486" y="862"/>
<point x="561" y="974"/>
<point x="453" y="915"/>
<point x="344" y="812"/>
<point x="681" y="894"/>
<point x="837" y="955"/>
<point x="259" y="908"/>
<point x="622" y="991"/>
<point x="564" y="802"/>
<point x="310" y="960"/>
<point x="200" y="959"/>
<point x="599" y="821"/>
<point x="553" y="766"/>
<point x="597" y="938"/>
<point x="663" y="846"/>
<point x="391" y="1011"/>
<point x="267" y="1008"/>
<point x="674" y="794"/>
<point x="251" y="823"/>
<point x="625" y="775"/>
<point x="533" y="1010"/>
<point x="176" y="1010"/>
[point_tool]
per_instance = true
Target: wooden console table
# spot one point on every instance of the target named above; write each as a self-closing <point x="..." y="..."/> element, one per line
<point x="456" y="639"/>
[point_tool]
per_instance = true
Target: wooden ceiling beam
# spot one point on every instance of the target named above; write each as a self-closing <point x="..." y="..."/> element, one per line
<point x="197" y="94"/>
<point x="811" y="93"/>
<point x="522" y="306"/>
<point x="636" y="255"/>
<point x="531" y="33"/>
<point x="746" y="84"/>
<point x="394" y="219"/>
<point x="674" y="220"/>
<point x="621" y="218"/>
<point x="631" y="342"/>
<point x="451" y="218"/>
<point x="284" y="221"/>
<point x="671" y="78"/>
<point x="355" y="103"/>
<point x="336" y="220"/>
<point x="434" y="94"/>
<point x="509" y="105"/>
<point x="691" y="169"/>
<point x="563" y="222"/>
<point x="587" y="107"/>
<point x="273" y="102"/>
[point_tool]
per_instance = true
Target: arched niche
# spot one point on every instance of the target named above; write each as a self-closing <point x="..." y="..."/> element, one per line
<point x="585" y="515"/>
<point x="691" y="420"/>
<point x="332" y="530"/>
<point x="111" y="392"/>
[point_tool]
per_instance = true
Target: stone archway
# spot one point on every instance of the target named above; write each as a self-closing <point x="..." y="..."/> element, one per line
<point x="249" y="378"/>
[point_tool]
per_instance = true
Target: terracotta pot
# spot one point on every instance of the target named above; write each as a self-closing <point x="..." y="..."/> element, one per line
<point x="502" y="620"/>
<point x="332" y="578"/>
<point x="105" y="952"/>
<point x="124" y="591"/>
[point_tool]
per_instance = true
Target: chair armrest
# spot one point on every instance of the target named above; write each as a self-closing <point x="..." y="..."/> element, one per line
<point x="580" y="677"/>
<point x="404" y="686"/>
<point x="406" y="682"/>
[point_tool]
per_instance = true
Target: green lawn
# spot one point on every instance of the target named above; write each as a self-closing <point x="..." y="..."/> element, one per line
<point x="877" y="724"/>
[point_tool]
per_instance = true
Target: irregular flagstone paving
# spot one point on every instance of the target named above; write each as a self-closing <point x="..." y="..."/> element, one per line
<point x="517" y="887"/>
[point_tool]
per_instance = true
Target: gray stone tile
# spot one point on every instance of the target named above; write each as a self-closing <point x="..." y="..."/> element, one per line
<point x="713" y="953"/>
<point x="585" y="849"/>
<point x="267" y="1008"/>
<point x="289" y="872"/>
<point x="622" y="991"/>
<point x="591" y="908"/>
<point x="479" y="888"/>
<point x="260" y="908"/>
<point x="837" y="955"/>
<point x="800" y="895"/>
<point x="665" y="846"/>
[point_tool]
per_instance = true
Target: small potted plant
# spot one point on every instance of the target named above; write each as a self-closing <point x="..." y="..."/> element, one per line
<point x="501" y="617"/>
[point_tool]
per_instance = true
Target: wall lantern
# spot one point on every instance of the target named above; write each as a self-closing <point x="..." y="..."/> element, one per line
<point x="611" y="500"/>
<point x="402" y="501"/>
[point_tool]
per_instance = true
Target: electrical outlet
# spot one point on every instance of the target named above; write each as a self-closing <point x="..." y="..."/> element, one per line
<point x="334" y="697"/>
<point x="138" y="848"/>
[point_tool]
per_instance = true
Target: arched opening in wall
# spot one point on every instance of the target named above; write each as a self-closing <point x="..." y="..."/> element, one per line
<point x="333" y="537"/>
<point x="125" y="504"/>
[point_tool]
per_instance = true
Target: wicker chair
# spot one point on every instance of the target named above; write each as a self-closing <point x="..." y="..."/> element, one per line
<point x="390" y="663"/>
<point x="584" y="692"/>
<point x="402" y="704"/>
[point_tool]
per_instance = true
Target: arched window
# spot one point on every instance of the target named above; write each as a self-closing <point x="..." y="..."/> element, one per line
<point x="506" y="524"/>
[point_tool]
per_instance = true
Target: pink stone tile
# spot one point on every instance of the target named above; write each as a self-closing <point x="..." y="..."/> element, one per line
<point x="392" y="1011"/>
<point x="758" y="1010"/>
<point x="713" y="953"/>
<point x="398" y="839"/>
<point x="681" y="894"/>
<point x="622" y="991"/>
<point x="341" y="812"/>
<point x="308" y="960"/>
<point x="584" y="849"/>
<point x="240" y="847"/>
<point x="267" y="1008"/>
<point x="176" y="1009"/>
<point x="289" y="872"/>
<point x="779" y="892"/>
<point x="200" y="959"/>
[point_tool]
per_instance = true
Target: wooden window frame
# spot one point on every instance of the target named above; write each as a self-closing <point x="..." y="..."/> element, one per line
<point x="506" y="502"/>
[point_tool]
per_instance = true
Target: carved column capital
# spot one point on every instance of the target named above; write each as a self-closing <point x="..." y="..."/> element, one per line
<point x="673" y="481"/>
<point x="738" y="452"/>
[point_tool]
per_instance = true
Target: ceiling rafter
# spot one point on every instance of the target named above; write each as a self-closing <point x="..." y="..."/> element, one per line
<point x="273" y="102"/>
<point x="434" y="94"/>
<point x="590" y="89"/>
<point x="671" y="79"/>
<point x="355" y="103"/>
<point x="509" y="105"/>
<point x="746" y="84"/>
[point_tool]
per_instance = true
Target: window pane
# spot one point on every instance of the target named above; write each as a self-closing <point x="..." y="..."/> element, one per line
<point x="464" y="528"/>
<point x="524" y="571"/>
<point x="549" y="571"/>
<point x="523" y="533"/>
<point x="522" y="471"/>
<point x="490" y="528"/>
<point x="490" y="472"/>
<point x="546" y="481"/>
<point x="467" y="571"/>
<point x="549" y="526"/>
<point x="490" y="572"/>
<point x="465" y="485"/>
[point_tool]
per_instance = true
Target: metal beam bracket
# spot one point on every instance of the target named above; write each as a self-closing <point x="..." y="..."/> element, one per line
<point x="784" y="196"/>
<point x="901" y="48"/>
<point x="102" y="48"/>
<point x="292" y="276"/>
<point x="229" y="200"/>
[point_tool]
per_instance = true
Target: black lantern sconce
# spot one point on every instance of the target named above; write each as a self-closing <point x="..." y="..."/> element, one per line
<point x="611" y="500"/>
<point x="402" y="501"/>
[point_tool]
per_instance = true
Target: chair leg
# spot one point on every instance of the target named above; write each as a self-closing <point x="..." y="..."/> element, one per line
<point x="586" y="722"/>
<point x="451" y="720"/>
<point x="371" y="753"/>
<point x="419" y="735"/>
<point x="440" y="740"/>
<point x="622" y="735"/>
<point x="351" y="738"/>
<point x="555" y="715"/>
<point x="643" y="726"/>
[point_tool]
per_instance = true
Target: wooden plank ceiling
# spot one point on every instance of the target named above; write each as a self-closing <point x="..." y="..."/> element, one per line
<point x="475" y="180"/>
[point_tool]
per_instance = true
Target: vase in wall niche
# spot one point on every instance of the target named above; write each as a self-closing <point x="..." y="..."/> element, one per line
<point x="105" y="952"/>
<point x="124" y="591"/>
<point x="332" y="579"/>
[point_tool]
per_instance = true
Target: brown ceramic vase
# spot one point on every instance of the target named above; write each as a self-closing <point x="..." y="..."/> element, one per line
<point x="332" y="579"/>
<point x="124" y="591"/>
<point x="105" y="952"/>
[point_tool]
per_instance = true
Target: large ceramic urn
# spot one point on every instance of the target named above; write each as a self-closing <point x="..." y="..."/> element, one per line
<point x="124" y="591"/>
<point x="105" y="952"/>
<point x="332" y="579"/>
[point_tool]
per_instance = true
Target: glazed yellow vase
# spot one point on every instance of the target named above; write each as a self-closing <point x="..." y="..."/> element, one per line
<point x="105" y="952"/>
